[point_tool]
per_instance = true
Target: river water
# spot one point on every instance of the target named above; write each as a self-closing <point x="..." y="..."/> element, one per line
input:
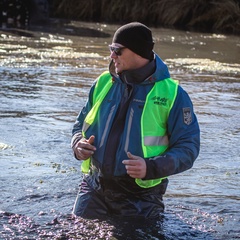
<point x="45" y="76"/>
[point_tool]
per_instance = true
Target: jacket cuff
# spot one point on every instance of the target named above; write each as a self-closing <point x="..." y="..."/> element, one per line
<point x="148" y="171"/>
<point x="75" y="138"/>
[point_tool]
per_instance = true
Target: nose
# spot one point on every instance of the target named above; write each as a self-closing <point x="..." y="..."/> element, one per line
<point x="113" y="55"/>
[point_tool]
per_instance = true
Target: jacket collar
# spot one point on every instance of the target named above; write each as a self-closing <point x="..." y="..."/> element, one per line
<point x="155" y="70"/>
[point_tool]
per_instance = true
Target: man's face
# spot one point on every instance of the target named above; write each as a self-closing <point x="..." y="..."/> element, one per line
<point x="125" y="59"/>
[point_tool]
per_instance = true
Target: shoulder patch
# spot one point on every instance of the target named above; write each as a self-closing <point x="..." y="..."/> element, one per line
<point x="187" y="115"/>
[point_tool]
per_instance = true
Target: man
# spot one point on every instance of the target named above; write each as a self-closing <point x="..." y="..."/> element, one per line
<point x="136" y="129"/>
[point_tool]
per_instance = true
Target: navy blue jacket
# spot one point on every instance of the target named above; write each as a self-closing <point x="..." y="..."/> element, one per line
<point x="115" y="134"/>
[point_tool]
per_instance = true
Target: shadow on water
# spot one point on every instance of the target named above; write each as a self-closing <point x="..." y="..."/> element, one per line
<point x="23" y="84"/>
<point x="15" y="226"/>
<point x="57" y="26"/>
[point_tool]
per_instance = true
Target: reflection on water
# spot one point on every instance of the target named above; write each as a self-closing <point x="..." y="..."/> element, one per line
<point x="44" y="82"/>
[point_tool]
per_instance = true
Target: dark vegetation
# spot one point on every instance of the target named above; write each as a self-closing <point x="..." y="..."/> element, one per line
<point x="196" y="15"/>
<point x="200" y="15"/>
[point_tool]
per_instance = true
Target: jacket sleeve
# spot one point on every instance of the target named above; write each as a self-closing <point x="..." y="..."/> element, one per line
<point x="184" y="140"/>
<point x="77" y="128"/>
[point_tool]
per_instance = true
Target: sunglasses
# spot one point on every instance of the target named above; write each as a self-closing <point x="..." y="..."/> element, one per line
<point x="116" y="50"/>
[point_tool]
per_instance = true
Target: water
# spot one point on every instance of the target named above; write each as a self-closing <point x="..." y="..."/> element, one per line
<point x="45" y="75"/>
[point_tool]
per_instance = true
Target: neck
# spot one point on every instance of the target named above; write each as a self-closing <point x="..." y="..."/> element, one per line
<point x="142" y="62"/>
<point x="140" y="74"/>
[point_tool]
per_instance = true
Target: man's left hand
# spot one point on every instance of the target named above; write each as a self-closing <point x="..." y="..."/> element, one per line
<point x="136" y="166"/>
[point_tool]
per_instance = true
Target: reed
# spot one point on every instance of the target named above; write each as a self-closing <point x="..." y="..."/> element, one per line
<point x="204" y="15"/>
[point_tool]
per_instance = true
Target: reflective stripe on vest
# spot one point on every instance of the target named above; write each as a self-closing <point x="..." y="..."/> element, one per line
<point x="159" y="102"/>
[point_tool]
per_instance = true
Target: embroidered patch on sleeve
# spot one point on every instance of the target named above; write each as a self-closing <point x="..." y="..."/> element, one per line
<point x="187" y="115"/>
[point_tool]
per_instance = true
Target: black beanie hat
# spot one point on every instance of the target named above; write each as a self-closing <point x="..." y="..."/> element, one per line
<point x="137" y="37"/>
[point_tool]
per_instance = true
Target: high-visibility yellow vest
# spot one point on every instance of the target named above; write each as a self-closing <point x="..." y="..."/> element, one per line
<point x="159" y="102"/>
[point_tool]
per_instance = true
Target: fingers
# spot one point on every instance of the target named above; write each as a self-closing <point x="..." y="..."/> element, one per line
<point x="131" y="156"/>
<point x="83" y="153"/>
<point x="91" y="139"/>
<point x="84" y="148"/>
<point x="135" y="166"/>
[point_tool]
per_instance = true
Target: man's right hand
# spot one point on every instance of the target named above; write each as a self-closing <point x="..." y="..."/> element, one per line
<point x="84" y="148"/>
